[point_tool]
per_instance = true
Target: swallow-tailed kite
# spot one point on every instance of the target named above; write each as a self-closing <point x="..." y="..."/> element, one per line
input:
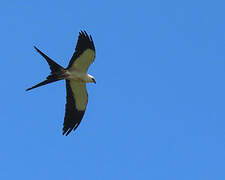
<point x="76" y="78"/>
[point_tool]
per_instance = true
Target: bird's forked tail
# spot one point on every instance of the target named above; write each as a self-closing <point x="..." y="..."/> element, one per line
<point x="57" y="71"/>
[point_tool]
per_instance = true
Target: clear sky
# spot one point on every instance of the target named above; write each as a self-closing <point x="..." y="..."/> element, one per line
<point x="158" y="108"/>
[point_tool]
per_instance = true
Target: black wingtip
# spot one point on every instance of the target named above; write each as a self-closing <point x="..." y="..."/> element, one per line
<point x="83" y="32"/>
<point x="67" y="132"/>
<point x="91" y="38"/>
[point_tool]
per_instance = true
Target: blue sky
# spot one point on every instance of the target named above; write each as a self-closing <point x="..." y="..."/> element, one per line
<point x="156" y="112"/>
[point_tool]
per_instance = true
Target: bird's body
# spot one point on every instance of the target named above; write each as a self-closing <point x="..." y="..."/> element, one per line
<point x="76" y="77"/>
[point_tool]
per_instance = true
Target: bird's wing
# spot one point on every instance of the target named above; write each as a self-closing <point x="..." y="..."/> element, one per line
<point x="84" y="53"/>
<point x="76" y="102"/>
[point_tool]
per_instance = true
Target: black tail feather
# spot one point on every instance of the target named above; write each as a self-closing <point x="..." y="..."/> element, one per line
<point x="52" y="64"/>
<point x="43" y="83"/>
<point x="57" y="71"/>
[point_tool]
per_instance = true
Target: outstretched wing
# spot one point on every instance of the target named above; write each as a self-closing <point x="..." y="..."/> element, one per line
<point x="76" y="102"/>
<point x="84" y="53"/>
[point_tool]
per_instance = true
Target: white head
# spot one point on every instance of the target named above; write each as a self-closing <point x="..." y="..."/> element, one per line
<point x="90" y="79"/>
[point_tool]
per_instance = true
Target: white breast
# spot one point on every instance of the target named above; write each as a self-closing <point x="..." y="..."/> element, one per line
<point x="77" y="76"/>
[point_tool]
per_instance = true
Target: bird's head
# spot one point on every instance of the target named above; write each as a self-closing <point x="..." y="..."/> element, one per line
<point x="91" y="79"/>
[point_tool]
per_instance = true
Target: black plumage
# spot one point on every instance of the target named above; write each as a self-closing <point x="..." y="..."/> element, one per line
<point x="73" y="116"/>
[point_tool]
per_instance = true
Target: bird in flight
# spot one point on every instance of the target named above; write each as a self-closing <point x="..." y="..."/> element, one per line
<point x="76" y="77"/>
